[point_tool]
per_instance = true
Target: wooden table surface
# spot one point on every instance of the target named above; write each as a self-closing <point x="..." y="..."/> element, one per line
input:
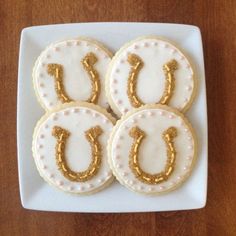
<point x="217" y="21"/>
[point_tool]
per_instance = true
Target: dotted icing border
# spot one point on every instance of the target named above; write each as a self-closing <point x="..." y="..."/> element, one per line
<point x="109" y="91"/>
<point x="97" y="46"/>
<point x="151" y="188"/>
<point x="77" y="105"/>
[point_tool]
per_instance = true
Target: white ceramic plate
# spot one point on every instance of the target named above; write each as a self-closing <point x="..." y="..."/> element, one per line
<point x="35" y="192"/>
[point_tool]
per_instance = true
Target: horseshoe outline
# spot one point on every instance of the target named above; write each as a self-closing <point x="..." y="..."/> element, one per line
<point x="136" y="65"/>
<point x="56" y="70"/>
<point x="138" y="135"/>
<point x="88" y="62"/>
<point x="91" y="135"/>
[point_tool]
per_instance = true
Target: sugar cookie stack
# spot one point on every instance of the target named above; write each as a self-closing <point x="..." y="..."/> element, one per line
<point x="78" y="145"/>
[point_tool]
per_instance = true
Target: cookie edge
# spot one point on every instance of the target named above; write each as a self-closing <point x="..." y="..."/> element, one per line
<point x="125" y="46"/>
<point x="90" y="40"/>
<point x="145" y="107"/>
<point x="45" y="116"/>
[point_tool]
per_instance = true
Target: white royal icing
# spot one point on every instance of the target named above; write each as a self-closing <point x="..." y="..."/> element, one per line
<point x="154" y="53"/>
<point x="76" y="80"/>
<point x="78" y="151"/>
<point x="152" y="154"/>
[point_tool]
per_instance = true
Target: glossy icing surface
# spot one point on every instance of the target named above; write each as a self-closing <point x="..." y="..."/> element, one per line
<point x="76" y="80"/>
<point x="76" y="120"/>
<point x="154" y="53"/>
<point x="152" y="155"/>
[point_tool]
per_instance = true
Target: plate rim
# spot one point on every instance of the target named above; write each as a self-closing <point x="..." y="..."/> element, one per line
<point x="19" y="91"/>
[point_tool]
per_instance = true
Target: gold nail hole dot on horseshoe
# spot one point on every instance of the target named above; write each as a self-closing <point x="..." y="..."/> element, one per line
<point x="92" y="136"/>
<point x="137" y="64"/>
<point x="138" y="135"/>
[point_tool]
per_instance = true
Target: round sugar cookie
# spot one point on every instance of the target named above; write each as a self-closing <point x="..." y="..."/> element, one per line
<point x="149" y="70"/>
<point x="152" y="149"/>
<point x="71" y="70"/>
<point x="69" y="148"/>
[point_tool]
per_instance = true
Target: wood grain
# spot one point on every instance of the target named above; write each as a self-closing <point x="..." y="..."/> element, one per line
<point x="217" y="20"/>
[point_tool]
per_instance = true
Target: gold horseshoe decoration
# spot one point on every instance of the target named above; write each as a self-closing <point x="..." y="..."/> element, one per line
<point x="56" y="70"/>
<point x="92" y="136"/>
<point x="88" y="62"/>
<point x="136" y="65"/>
<point x="138" y="135"/>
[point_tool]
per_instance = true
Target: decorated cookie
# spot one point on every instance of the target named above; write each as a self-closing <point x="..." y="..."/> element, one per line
<point x="69" y="148"/>
<point x="152" y="149"/>
<point x="149" y="70"/>
<point x="71" y="70"/>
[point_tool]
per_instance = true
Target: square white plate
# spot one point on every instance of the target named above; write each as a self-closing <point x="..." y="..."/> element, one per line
<point x="35" y="193"/>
